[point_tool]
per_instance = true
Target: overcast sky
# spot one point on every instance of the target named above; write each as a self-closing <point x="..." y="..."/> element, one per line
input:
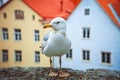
<point x="3" y="1"/>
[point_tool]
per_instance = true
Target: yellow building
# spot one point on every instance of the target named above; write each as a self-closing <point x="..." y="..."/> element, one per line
<point x="21" y="35"/>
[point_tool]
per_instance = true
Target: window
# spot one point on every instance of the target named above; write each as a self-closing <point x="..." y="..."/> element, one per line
<point x="86" y="32"/>
<point x="69" y="55"/>
<point x="37" y="56"/>
<point x="4" y="55"/>
<point x="106" y="57"/>
<point x="17" y="34"/>
<point x="36" y="35"/>
<point x="4" y="15"/>
<point x="86" y="54"/>
<point x="5" y="33"/>
<point x="87" y="11"/>
<point x="33" y="17"/>
<point x="18" y="56"/>
<point x="19" y="14"/>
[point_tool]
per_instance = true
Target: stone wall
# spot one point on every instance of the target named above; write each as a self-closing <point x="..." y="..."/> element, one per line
<point x="41" y="73"/>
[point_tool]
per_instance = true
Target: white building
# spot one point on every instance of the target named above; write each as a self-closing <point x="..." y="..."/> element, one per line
<point x="94" y="29"/>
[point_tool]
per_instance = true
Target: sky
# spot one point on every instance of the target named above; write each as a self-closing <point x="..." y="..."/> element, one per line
<point x="3" y="1"/>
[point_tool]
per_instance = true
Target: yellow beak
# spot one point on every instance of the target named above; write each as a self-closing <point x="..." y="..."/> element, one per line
<point x="47" y="26"/>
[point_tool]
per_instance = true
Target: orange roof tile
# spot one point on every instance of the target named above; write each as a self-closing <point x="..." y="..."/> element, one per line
<point x="49" y="9"/>
<point x="117" y="7"/>
<point x="115" y="3"/>
<point x="76" y="2"/>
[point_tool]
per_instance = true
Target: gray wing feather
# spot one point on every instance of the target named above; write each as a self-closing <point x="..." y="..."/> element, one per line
<point x="45" y="39"/>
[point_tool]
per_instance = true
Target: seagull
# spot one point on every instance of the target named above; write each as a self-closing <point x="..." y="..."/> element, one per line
<point x="56" y="43"/>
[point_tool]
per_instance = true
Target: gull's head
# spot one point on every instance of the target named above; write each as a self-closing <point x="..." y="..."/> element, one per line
<point x="57" y="24"/>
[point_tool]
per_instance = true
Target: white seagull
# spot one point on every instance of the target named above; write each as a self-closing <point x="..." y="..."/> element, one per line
<point x="56" y="43"/>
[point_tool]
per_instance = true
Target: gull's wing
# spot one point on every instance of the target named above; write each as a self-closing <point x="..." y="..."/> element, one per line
<point x="45" y="39"/>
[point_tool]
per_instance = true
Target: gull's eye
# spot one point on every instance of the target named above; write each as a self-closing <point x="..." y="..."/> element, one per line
<point x="57" y="22"/>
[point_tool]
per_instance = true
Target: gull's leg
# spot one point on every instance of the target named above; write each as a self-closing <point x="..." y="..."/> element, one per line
<point x="51" y="70"/>
<point x="50" y="65"/>
<point x="60" y="64"/>
<point x="62" y="74"/>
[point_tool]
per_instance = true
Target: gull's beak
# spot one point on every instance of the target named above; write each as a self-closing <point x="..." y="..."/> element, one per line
<point x="47" y="26"/>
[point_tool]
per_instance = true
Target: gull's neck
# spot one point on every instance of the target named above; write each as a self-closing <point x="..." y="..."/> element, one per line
<point x="60" y="30"/>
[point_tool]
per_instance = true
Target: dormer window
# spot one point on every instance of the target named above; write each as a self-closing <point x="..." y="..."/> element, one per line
<point x="19" y="14"/>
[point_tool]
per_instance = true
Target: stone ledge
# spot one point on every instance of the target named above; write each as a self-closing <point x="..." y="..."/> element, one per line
<point x="41" y="73"/>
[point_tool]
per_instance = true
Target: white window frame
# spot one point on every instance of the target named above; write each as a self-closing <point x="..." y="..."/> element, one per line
<point x="36" y="35"/>
<point x="17" y="34"/>
<point x="4" y="55"/>
<point x="69" y="55"/>
<point x="86" y="11"/>
<point x="86" y="32"/>
<point x="106" y="58"/>
<point x="19" y="14"/>
<point x="5" y="34"/>
<point x="86" y="55"/>
<point x="37" y="56"/>
<point x="18" y="55"/>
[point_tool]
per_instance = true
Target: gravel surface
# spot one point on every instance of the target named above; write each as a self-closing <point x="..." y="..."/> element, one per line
<point x="41" y="73"/>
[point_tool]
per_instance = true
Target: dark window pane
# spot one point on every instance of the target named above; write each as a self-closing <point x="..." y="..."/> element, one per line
<point x="84" y="32"/>
<point x="103" y="57"/>
<point x="83" y="55"/>
<point x="19" y="14"/>
<point x="108" y="57"/>
<point x="18" y="34"/>
<point x="36" y="35"/>
<point x="88" y="32"/>
<point x="4" y="55"/>
<point x="37" y="56"/>
<point x="18" y="56"/>
<point x="5" y="33"/>
<point x="67" y="55"/>
<point x="88" y="56"/>
<point x="33" y="17"/>
<point x="4" y="15"/>
<point x="87" y="11"/>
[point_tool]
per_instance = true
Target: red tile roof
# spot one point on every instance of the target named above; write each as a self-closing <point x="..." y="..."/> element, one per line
<point x="76" y="2"/>
<point x="49" y="9"/>
<point x="116" y="5"/>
